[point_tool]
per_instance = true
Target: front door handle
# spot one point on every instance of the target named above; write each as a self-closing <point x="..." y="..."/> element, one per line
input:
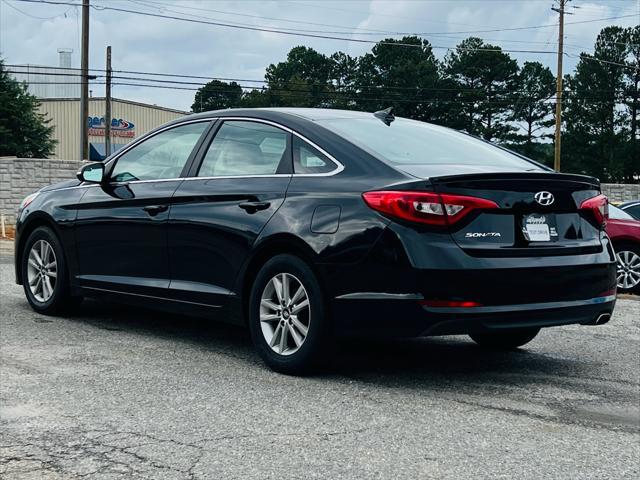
<point x="253" y="207"/>
<point x="154" y="210"/>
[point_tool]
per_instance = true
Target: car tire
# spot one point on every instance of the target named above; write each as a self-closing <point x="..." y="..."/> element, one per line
<point x="628" y="256"/>
<point x="287" y="316"/>
<point x="44" y="273"/>
<point x="505" y="339"/>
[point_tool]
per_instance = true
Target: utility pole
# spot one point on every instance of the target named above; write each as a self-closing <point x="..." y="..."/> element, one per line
<point x="107" y="112"/>
<point x="560" y="10"/>
<point x="84" y="87"/>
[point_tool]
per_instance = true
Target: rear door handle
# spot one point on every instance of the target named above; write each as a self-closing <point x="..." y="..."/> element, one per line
<point x="154" y="210"/>
<point x="253" y="207"/>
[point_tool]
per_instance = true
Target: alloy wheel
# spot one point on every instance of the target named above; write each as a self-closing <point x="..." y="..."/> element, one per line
<point x="628" y="269"/>
<point x="42" y="270"/>
<point x="285" y="314"/>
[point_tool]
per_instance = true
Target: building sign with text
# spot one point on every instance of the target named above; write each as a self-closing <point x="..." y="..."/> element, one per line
<point x="119" y="127"/>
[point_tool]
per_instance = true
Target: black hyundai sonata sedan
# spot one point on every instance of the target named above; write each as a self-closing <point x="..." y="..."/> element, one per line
<point x="306" y="224"/>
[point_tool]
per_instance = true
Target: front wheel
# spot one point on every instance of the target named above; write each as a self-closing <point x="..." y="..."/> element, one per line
<point x="287" y="316"/>
<point x="44" y="273"/>
<point x="505" y="339"/>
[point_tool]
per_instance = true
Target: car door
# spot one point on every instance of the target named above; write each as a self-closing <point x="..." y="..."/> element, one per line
<point x="219" y="211"/>
<point x="121" y="226"/>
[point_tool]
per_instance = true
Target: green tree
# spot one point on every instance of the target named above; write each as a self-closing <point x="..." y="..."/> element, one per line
<point x="404" y="77"/>
<point x="631" y="100"/>
<point x="343" y="74"/>
<point x="532" y="110"/>
<point x="485" y="77"/>
<point x="594" y="142"/>
<point x="217" y="95"/>
<point x="24" y="132"/>
<point x="302" y="80"/>
<point x="256" y="98"/>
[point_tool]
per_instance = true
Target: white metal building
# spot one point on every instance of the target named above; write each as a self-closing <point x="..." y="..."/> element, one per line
<point x="129" y="121"/>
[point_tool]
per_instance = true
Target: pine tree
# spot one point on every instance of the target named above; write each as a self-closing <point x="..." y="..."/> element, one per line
<point x="532" y="110"/>
<point x="595" y="125"/>
<point x="24" y="131"/>
<point x="485" y="77"/>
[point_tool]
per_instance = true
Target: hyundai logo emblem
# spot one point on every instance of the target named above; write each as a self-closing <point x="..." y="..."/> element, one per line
<point x="544" y="198"/>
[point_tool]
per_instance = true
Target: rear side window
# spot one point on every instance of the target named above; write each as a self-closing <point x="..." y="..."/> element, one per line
<point x="308" y="159"/>
<point x="245" y="148"/>
<point x="417" y="143"/>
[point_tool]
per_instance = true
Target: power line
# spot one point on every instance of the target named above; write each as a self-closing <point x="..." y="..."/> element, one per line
<point x="248" y="87"/>
<point x="387" y="15"/>
<point x="290" y="32"/>
<point x="362" y="97"/>
<point x="163" y="7"/>
<point x="319" y="24"/>
<point x="608" y="62"/>
<point x="35" y="16"/>
<point x="314" y="35"/>
<point x="352" y="30"/>
<point x="323" y="36"/>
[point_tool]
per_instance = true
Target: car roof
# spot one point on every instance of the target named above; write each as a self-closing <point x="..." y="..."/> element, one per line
<point x="311" y="114"/>
<point x="629" y="204"/>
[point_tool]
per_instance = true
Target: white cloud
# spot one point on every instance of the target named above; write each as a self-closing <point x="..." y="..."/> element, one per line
<point x="160" y="45"/>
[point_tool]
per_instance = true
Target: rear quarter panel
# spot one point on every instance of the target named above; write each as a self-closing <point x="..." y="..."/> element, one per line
<point x="624" y="231"/>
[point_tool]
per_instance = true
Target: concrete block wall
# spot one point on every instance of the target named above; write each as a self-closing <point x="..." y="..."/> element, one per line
<point x="21" y="176"/>
<point x="619" y="192"/>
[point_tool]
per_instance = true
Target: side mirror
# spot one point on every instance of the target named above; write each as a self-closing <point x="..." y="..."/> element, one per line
<point x="91" y="173"/>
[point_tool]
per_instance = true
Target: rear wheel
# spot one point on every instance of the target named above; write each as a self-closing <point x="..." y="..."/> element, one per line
<point x="505" y="339"/>
<point x="287" y="316"/>
<point x="44" y="273"/>
<point x="628" y="268"/>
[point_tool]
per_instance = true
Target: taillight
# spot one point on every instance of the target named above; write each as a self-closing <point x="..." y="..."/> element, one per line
<point x="425" y="207"/>
<point x="599" y="206"/>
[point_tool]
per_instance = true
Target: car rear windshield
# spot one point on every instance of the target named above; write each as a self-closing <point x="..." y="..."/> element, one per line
<point x="412" y="142"/>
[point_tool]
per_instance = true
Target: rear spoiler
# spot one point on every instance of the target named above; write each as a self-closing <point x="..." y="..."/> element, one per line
<point x="548" y="177"/>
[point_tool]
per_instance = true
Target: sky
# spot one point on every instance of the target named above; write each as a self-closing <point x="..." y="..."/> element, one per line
<point x="31" y="33"/>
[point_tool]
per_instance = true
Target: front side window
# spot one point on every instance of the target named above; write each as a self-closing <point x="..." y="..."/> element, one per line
<point x="160" y="157"/>
<point x="308" y="159"/>
<point x="243" y="148"/>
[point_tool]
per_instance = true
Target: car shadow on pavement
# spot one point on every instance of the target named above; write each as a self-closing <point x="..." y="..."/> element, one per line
<point x="435" y="359"/>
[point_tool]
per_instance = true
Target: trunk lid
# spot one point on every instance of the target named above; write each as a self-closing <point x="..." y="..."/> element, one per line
<point x="523" y="226"/>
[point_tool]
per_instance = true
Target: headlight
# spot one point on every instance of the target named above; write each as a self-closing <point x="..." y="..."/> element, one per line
<point x="28" y="199"/>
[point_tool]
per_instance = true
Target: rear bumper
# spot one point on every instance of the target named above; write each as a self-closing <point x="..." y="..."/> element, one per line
<point x="364" y="314"/>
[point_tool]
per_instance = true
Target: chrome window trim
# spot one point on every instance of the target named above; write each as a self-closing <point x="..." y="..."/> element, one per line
<point x="179" y="179"/>
<point x="220" y="177"/>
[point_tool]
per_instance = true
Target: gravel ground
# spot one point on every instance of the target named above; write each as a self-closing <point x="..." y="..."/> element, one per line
<point x="114" y="392"/>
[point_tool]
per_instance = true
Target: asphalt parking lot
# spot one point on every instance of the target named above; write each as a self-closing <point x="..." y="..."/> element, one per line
<point x="114" y="392"/>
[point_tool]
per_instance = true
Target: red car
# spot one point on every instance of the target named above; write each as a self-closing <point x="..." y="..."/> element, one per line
<point x="624" y="232"/>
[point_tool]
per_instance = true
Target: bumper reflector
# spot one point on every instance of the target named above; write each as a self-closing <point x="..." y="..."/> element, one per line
<point x="449" y="303"/>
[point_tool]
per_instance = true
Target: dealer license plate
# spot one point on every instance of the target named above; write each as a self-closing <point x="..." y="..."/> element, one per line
<point x="536" y="228"/>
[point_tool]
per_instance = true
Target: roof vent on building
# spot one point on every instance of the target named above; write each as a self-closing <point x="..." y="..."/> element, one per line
<point x="65" y="57"/>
